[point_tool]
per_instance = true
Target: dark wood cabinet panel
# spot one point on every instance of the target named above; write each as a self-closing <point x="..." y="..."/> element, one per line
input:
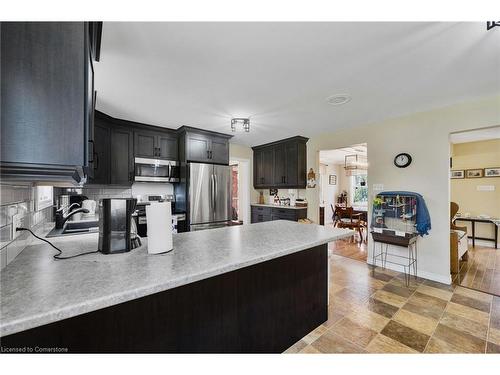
<point x="144" y="145"/>
<point x="219" y="150"/>
<point x="260" y="214"/>
<point x="102" y="145"/>
<point x="149" y="144"/>
<point x="45" y="94"/>
<point x="198" y="148"/>
<point x="281" y="164"/>
<point x="121" y="156"/>
<point x="167" y="147"/>
<point x="205" y="147"/>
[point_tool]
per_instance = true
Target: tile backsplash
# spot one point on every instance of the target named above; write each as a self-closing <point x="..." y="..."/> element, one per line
<point x="95" y="193"/>
<point x="18" y="199"/>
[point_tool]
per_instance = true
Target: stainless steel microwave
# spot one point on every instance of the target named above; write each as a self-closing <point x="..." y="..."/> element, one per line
<point x="156" y="170"/>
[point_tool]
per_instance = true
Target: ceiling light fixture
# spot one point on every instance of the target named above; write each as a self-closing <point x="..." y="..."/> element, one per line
<point x="244" y="122"/>
<point x="338" y="99"/>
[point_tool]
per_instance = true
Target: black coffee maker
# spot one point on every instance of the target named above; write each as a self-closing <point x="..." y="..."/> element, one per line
<point x="117" y="230"/>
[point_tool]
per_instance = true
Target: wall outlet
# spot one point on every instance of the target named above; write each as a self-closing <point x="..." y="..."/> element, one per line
<point x="378" y="187"/>
<point x="485" y="187"/>
<point x="16" y="222"/>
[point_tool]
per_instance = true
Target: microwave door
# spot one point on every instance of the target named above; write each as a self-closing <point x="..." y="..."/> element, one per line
<point x="222" y="195"/>
<point x="201" y="193"/>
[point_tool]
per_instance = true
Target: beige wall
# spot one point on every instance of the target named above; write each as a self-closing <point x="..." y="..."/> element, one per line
<point x="426" y="137"/>
<point x="472" y="155"/>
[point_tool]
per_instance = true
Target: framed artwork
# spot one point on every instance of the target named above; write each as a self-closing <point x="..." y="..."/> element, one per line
<point x="492" y="172"/>
<point x="457" y="173"/>
<point x="311" y="179"/>
<point x="474" y="173"/>
<point x="332" y="179"/>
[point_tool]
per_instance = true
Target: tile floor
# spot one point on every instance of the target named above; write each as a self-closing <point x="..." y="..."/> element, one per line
<point x="481" y="271"/>
<point x="376" y="313"/>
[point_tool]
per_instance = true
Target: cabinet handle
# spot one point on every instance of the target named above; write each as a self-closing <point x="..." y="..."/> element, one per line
<point x="208" y="154"/>
<point x="93" y="153"/>
<point x="96" y="158"/>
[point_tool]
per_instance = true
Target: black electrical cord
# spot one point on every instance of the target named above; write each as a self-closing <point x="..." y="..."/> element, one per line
<point x="58" y="255"/>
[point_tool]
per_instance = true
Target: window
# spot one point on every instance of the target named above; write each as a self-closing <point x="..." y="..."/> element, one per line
<point x="360" y="195"/>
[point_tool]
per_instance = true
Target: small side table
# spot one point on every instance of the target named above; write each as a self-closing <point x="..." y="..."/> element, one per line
<point x="408" y="262"/>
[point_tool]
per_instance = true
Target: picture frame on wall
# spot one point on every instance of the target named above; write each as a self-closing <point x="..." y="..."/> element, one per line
<point x="492" y="172"/>
<point x="474" y="173"/>
<point x="460" y="173"/>
<point x="332" y="179"/>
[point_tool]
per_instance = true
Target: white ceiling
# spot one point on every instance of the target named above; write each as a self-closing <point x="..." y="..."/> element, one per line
<point x="338" y="155"/>
<point x="279" y="74"/>
<point x="476" y="135"/>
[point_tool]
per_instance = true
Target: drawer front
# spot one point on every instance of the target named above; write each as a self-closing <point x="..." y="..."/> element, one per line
<point x="260" y="218"/>
<point x="284" y="214"/>
<point x="261" y="210"/>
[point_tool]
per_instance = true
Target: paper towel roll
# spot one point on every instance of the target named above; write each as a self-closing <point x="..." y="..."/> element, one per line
<point x="159" y="221"/>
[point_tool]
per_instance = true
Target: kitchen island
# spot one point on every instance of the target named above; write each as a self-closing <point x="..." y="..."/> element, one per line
<point x="251" y="288"/>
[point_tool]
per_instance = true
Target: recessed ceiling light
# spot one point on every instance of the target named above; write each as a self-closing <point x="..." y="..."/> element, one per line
<point x="338" y="99"/>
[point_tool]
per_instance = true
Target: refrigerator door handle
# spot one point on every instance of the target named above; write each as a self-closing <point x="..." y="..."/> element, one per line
<point x="215" y="192"/>
<point x="212" y="192"/>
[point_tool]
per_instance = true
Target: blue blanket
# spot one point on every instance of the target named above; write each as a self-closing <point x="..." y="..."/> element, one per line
<point x="423" y="222"/>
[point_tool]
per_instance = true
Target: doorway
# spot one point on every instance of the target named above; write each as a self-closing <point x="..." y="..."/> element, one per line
<point x="240" y="195"/>
<point x="343" y="197"/>
<point x="475" y="209"/>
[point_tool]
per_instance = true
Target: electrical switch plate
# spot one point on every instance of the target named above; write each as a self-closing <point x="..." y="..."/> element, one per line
<point x="16" y="222"/>
<point x="378" y="187"/>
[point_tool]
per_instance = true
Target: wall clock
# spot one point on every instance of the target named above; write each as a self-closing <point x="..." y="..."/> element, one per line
<point x="402" y="160"/>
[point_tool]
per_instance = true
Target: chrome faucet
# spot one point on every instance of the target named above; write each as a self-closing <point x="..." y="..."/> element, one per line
<point x="61" y="216"/>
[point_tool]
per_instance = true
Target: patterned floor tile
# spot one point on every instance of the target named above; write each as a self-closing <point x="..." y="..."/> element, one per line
<point x="438" y="346"/>
<point x="384" y="344"/>
<point x="494" y="335"/>
<point x="309" y="349"/>
<point x="332" y="343"/>
<point x="354" y="332"/>
<point x="468" y="312"/>
<point x="381" y="308"/>
<point x="418" y="322"/>
<point x="314" y="334"/>
<point x="461" y="340"/>
<point x="437" y="285"/>
<point x="389" y="298"/>
<point x="471" y="302"/>
<point x="399" y="290"/>
<point x="381" y="276"/>
<point x="405" y="335"/>
<point x="492" y="348"/>
<point x="465" y="325"/>
<point x="435" y="292"/>
<point x="296" y="348"/>
<point x="369" y="319"/>
<point x="426" y="300"/>
<point x="429" y="311"/>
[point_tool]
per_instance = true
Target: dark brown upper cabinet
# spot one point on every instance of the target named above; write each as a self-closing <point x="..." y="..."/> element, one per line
<point x="281" y="164"/>
<point x="201" y="146"/>
<point x="113" y="153"/>
<point x="46" y="101"/>
<point x="149" y="144"/>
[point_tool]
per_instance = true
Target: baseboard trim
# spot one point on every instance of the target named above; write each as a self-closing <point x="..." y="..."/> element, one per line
<point x="423" y="274"/>
<point x="482" y="243"/>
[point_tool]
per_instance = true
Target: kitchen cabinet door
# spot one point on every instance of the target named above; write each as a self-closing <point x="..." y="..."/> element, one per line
<point x="102" y="144"/>
<point x="198" y="147"/>
<point x="291" y="171"/>
<point x="268" y="166"/>
<point x="44" y="96"/>
<point x="219" y="150"/>
<point x="280" y="162"/>
<point x="258" y="168"/>
<point x="167" y="147"/>
<point x="121" y="156"/>
<point x="145" y="144"/>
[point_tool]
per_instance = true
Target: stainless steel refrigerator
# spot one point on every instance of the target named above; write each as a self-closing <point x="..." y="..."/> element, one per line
<point x="209" y="195"/>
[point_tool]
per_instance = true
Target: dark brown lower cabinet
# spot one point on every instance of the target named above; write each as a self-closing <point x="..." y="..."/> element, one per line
<point x="263" y="213"/>
<point x="264" y="308"/>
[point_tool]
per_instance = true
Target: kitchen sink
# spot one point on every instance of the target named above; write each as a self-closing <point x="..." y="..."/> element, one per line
<point x="75" y="227"/>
